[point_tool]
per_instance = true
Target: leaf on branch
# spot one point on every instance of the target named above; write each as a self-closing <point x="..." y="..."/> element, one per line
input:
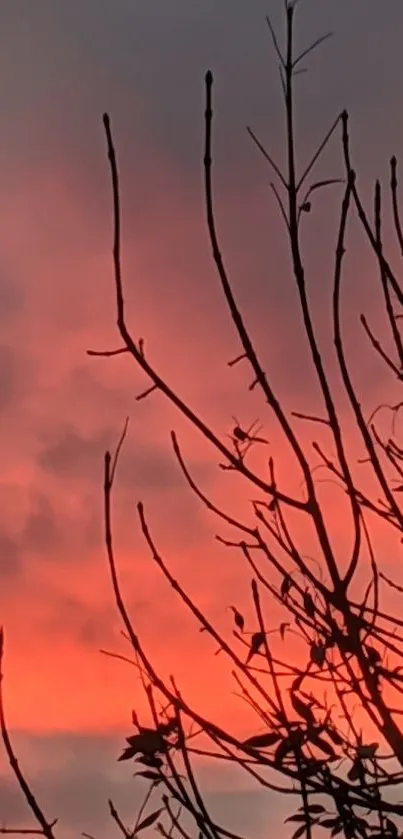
<point x="309" y="605"/>
<point x="282" y="751"/>
<point x="299" y="817"/>
<point x="299" y="832"/>
<point x="306" y="207"/>
<point x="305" y="711"/>
<point x="392" y="829"/>
<point x="262" y="740"/>
<point x="315" y="808"/>
<point x="367" y="751"/>
<point x="148" y="741"/>
<point x="318" y="654"/>
<point x="322" y="744"/>
<point x="334" y="822"/>
<point x="334" y="736"/>
<point x="297" y="683"/>
<point x="256" y="642"/>
<point x="150" y="776"/>
<point x="283" y="627"/>
<point x="313" y="766"/>
<point x="166" y="728"/>
<point x="128" y="753"/>
<point x="285" y="586"/>
<point x="289" y="744"/>
<point x="238" y="618"/>
<point x="150" y="760"/>
<point x="356" y="770"/>
<point x="148" y="821"/>
<point x="374" y="656"/>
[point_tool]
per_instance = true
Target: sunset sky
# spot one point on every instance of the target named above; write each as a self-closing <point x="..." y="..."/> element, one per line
<point x="62" y="64"/>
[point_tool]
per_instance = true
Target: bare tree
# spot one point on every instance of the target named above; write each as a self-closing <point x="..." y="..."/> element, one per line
<point x="307" y="742"/>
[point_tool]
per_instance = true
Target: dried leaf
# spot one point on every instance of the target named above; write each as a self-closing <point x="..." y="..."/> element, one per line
<point x="283" y="627"/>
<point x="356" y="770"/>
<point x="299" y="817"/>
<point x="262" y="740"/>
<point x="285" y="586"/>
<point x="150" y="760"/>
<point x="148" y="821"/>
<point x="334" y="736"/>
<point x="303" y="710"/>
<point x="309" y="605"/>
<point x="299" y="832"/>
<point x="283" y="749"/>
<point x="148" y="741"/>
<point x="127" y="753"/>
<point x="392" y="828"/>
<point x="374" y="657"/>
<point x="238" y="618"/>
<point x="318" y="654"/>
<point x="256" y="642"/>
<point x="367" y="751"/>
<point x="323" y="744"/>
<point x="334" y="822"/>
<point x="166" y="728"/>
<point x="312" y="767"/>
<point x="297" y="683"/>
<point x="150" y="776"/>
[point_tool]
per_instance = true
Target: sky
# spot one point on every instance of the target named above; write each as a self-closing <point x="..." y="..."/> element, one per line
<point x="61" y="66"/>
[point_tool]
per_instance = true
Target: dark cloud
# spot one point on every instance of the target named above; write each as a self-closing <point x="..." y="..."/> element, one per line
<point x="89" y="625"/>
<point x="42" y="531"/>
<point x="146" y="62"/>
<point x="37" y="523"/>
<point x="75" y="775"/>
<point x="10" y="555"/>
<point x="12" y="297"/>
<point x="73" y="778"/>
<point x="74" y="455"/>
<point x="9" y="376"/>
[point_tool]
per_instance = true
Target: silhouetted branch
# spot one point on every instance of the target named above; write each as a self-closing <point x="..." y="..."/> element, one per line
<point x="46" y="828"/>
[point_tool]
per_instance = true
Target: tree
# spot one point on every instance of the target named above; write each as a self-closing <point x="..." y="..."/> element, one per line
<point x="345" y="773"/>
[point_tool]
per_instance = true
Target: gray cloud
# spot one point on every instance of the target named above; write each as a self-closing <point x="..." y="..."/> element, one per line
<point x="12" y="297"/>
<point x="73" y="455"/>
<point x="75" y="775"/>
<point x="10" y="555"/>
<point x="42" y="530"/>
<point x="146" y="63"/>
<point x="89" y="626"/>
<point x="10" y="374"/>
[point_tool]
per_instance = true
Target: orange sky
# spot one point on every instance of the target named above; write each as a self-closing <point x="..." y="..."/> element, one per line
<point x="61" y="409"/>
